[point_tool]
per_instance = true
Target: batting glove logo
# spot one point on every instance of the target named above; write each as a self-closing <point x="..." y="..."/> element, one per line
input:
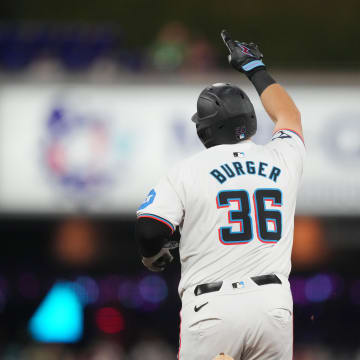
<point x="245" y="50"/>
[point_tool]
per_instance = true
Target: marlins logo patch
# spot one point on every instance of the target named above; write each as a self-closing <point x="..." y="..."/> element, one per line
<point x="281" y="135"/>
<point x="149" y="199"/>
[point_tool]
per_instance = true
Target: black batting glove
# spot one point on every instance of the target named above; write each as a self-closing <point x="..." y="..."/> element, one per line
<point x="244" y="57"/>
<point x="159" y="261"/>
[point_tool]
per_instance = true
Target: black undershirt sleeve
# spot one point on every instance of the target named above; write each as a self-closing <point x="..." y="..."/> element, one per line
<point x="261" y="79"/>
<point x="151" y="235"/>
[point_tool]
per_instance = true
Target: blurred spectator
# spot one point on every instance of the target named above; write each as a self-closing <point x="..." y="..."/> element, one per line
<point x="314" y="353"/>
<point x="310" y="247"/>
<point x="76" y="242"/>
<point x="200" y="56"/>
<point x="79" y="47"/>
<point x="76" y="46"/>
<point x="169" y="50"/>
<point x="106" y="350"/>
<point x="152" y="349"/>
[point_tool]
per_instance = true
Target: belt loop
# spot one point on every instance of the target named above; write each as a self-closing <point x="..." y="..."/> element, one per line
<point x="206" y="288"/>
<point x="266" y="279"/>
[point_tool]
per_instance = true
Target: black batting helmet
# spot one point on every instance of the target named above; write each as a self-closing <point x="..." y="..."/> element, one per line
<point x="225" y="115"/>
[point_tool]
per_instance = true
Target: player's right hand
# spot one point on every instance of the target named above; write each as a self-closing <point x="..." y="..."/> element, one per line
<point x="244" y="57"/>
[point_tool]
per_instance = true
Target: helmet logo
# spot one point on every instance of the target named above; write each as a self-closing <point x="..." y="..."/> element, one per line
<point x="240" y="132"/>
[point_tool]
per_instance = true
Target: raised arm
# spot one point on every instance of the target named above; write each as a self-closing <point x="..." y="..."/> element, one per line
<point x="281" y="108"/>
<point x="247" y="59"/>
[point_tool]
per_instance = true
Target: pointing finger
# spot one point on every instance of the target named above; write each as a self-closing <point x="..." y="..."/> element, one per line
<point x="228" y="41"/>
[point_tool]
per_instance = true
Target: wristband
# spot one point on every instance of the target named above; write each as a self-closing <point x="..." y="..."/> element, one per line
<point x="261" y="80"/>
<point x="253" y="65"/>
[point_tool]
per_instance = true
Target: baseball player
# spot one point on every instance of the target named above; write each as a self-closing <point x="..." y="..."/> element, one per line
<point x="234" y="203"/>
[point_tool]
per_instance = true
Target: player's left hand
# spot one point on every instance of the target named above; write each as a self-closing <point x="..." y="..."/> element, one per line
<point x="174" y="240"/>
<point x="159" y="261"/>
<point x="223" y="356"/>
<point x="244" y="57"/>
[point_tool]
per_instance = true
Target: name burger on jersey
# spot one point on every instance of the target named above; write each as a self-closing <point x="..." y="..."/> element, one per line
<point x="237" y="168"/>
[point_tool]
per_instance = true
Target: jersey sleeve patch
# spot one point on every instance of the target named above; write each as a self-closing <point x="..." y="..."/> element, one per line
<point x="149" y="199"/>
<point x="284" y="134"/>
<point x="158" y="218"/>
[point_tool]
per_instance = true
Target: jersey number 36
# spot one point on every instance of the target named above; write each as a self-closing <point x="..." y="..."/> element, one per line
<point x="268" y="222"/>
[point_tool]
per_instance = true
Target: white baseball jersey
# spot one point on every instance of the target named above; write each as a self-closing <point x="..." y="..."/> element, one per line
<point x="235" y="207"/>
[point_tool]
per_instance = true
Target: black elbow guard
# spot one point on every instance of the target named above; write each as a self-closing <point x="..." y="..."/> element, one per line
<point x="151" y="235"/>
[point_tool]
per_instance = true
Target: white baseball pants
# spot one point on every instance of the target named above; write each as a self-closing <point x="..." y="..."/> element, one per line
<point x="247" y="322"/>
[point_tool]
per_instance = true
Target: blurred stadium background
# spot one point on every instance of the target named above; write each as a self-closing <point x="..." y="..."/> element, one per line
<point x="95" y="105"/>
